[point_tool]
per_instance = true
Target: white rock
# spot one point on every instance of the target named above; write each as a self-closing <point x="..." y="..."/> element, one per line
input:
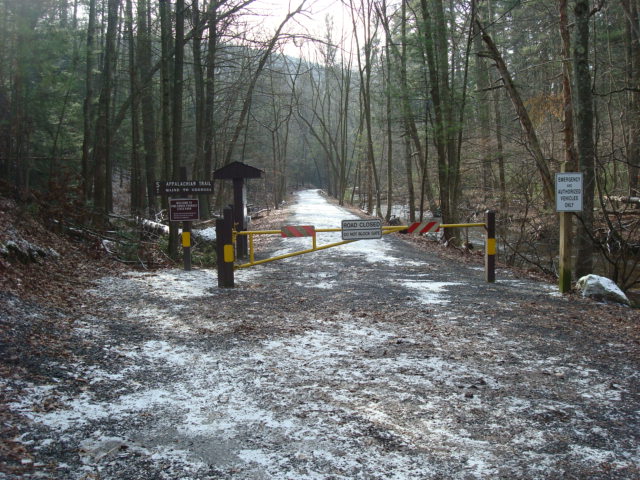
<point x="601" y="288"/>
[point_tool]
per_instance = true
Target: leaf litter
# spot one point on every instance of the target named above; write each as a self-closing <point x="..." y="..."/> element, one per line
<point x="375" y="360"/>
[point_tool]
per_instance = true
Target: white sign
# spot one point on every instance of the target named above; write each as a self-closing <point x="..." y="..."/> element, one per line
<point x="569" y="192"/>
<point x="361" y="229"/>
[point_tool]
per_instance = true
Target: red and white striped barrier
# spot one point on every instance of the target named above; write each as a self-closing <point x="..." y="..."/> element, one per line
<point x="298" y="231"/>
<point x="420" y="228"/>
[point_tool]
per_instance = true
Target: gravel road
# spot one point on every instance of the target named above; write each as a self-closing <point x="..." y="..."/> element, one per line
<point x="375" y="360"/>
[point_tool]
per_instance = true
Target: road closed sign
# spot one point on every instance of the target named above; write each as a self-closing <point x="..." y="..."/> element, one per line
<point x="569" y="192"/>
<point x="361" y="229"/>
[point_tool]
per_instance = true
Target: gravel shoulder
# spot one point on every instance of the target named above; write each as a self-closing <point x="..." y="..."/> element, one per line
<point x="378" y="361"/>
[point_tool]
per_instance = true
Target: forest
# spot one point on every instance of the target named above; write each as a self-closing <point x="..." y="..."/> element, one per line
<point x="407" y="109"/>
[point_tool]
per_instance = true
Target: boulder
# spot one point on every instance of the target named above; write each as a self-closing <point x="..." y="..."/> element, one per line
<point x="601" y="289"/>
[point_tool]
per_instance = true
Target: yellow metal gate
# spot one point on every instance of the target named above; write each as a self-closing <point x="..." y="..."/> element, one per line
<point x="227" y="236"/>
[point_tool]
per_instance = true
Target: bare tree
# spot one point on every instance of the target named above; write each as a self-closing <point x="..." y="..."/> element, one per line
<point x="523" y="116"/>
<point x="364" y="15"/>
<point x="265" y="54"/>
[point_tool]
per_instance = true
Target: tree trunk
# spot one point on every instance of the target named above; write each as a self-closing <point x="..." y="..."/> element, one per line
<point x="176" y="111"/>
<point x="165" y="84"/>
<point x="483" y="106"/>
<point x="165" y="74"/>
<point x="102" y="149"/>
<point x="633" y="84"/>
<point x="87" y="109"/>
<point x="583" y="101"/>
<point x="19" y="134"/>
<point x="497" y="114"/>
<point x="147" y="105"/>
<point x="408" y="170"/>
<point x="569" y="147"/>
<point x="137" y="182"/>
<point x="446" y="131"/>
<point x="209" y="135"/>
<point x="200" y="105"/>
<point x="178" y="88"/>
<point x="389" y="110"/>
<point x="345" y="95"/>
<point x="408" y="118"/>
<point x="365" y="93"/>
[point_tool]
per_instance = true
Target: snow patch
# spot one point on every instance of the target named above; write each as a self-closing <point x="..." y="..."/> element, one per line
<point x="428" y="292"/>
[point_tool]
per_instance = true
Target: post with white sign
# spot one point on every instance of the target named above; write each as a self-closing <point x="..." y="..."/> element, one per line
<point x="569" y="194"/>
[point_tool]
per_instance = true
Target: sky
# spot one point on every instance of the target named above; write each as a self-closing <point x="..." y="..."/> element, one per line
<point x="311" y="22"/>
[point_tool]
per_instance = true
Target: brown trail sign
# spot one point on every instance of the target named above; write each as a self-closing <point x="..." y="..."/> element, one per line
<point x="184" y="210"/>
<point x="184" y="187"/>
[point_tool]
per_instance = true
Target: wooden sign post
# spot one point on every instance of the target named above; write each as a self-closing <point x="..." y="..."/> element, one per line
<point x="238" y="172"/>
<point x="185" y="210"/>
<point x="568" y="200"/>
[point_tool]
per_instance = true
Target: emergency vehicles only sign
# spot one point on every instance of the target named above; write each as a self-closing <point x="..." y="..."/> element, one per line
<point x="569" y="192"/>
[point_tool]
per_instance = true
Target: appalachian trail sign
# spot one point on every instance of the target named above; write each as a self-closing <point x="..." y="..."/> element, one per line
<point x="184" y="187"/>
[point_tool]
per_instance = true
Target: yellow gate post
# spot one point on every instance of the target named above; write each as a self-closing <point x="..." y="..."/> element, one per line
<point x="225" y="249"/>
<point x="490" y="249"/>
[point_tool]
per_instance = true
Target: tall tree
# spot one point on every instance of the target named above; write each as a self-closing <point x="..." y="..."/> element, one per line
<point x="482" y="105"/>
<point x="87" y="181"/>
<point x="446" y="126"/>
<point x="176" y="113"/>
<point x="583" y="101"/>
<point x="177" y="91"/>
<point x="208" y="130"/>
<point x="167" y="111"/>
<point x="389" y="123"/>
<point x="569" y="146"/>
<point x="18" y="165"/>
<point x="199" y="88"/>
<point x="408" y="119"/>
<point x="368" y="22"/>
<point x="632" y="25"/>
<point x="137" y="181"/>
<point x="165" y="87"/>
<point x="102" y="198"/>
<point x="570" y="163"/>
<point x="147" y="107"/>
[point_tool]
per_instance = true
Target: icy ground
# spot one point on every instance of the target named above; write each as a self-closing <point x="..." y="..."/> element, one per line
<point x="373" y="360"/>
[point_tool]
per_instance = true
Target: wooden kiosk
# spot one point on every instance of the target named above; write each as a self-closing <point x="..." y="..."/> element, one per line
<point x="238" y="172"/>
